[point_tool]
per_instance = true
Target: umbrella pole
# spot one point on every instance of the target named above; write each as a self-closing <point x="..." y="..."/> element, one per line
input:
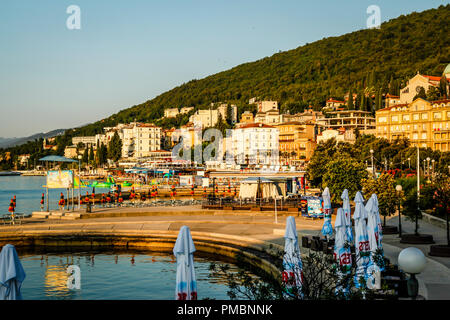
<point x="47" y="198"/>
<point x="276" y="214"/>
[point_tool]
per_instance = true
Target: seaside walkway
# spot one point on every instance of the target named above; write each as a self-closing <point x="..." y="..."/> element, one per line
<point x="247" y="227"/>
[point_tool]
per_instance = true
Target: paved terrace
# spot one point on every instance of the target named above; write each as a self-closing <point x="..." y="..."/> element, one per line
<point x="252" y="228"/>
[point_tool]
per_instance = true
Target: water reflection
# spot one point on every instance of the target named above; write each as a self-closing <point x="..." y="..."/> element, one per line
<point x="107" y="275"/>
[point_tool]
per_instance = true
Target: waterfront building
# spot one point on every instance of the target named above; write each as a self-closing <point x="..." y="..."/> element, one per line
<point x="348" y="119"/>
<point x="142" y="139"/>
<point x="297" y="141"/>
<point x="255" y="144"/>
<point x="424" y="123"/>
<point x="23" y="159"/>
<point x="70" y="152"/>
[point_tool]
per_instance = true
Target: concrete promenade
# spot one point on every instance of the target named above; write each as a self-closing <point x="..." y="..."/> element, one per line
<point x="245" y="226"/>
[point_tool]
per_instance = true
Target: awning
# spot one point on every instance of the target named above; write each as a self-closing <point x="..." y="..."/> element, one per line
<point x="57" y="159"/>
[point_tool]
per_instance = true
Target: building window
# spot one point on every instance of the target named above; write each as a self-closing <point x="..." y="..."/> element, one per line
<point x="424" y="116"/>
<point x="437" y="115"/>
<point x="394" y="118"/>
<point x="406" y="117"/>
<point x="424" y="135"/>
<point x="416" y="116"/>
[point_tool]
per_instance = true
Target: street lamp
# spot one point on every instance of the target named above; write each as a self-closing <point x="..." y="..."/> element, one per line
<point x="412" y="261"/>
<point x="432" y="169"/>
<point x="398" y="188"/>
<point x="79" y="181"/>
<point x="409" y="163"/>
<point x="371" y="157"/>
<point x="428" y="168"/>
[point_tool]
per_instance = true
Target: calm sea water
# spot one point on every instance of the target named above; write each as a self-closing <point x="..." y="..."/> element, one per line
<point x="28" y="192"/>
<point x="115" y="276"/>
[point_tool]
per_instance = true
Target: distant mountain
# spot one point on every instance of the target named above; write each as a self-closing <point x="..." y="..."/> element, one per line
<point x="12" y="142"/>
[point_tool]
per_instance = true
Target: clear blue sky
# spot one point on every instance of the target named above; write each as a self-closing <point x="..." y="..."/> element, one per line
<point x="130" y="51"/>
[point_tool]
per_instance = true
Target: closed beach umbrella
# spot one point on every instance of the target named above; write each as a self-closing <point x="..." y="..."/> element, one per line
<point x="186" y="286"/>
<point x="292" y="261"/>
<point x="327" y="229"/>
<point x="347" y="213"/>
<point x="342" y="252"/>
<point x="11" y="274"/>
<point x="373" y="230"/>
<point x="362" y="248"/>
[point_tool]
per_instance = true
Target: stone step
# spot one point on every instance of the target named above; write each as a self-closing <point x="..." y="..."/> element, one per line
<point x="40" y="214"/>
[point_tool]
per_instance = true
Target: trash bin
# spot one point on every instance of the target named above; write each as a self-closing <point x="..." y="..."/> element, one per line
<point x="88" y="207"/>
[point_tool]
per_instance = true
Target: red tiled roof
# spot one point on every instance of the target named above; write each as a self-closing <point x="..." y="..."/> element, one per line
<point x="433" y="78"/>
<point x="391" y="96"/>
<point x="255" y="125"/>
<point x="395" y="105"/>
<point x="332" y="100"/>
<point x="441" y="101"/>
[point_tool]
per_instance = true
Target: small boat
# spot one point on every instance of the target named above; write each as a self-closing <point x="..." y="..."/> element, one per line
<point x="9" y="173"/>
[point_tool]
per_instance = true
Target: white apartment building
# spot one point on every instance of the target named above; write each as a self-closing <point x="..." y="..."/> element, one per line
<point x="140" y="140"/>
<point x="209" y="117"/>
<point x="255" y="143"/>
<point x="171" y="112"/>
<point x="264" y="106"/>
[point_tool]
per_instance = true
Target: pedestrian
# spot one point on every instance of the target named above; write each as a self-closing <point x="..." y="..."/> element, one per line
<point x="103" y="200"/>
<point x="42" y="202"/>
<point x="62" y="202"/>
<point x="11" y="208"/>
<point x="108" y="199"/>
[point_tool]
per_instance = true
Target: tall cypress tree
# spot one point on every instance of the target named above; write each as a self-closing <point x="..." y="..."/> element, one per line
<point x="91" y="154"/>
<point x="443" y="87"/>
<point x="85" y="157"/>
<point x="378" y="100"/>
<point x="350" y="100"/>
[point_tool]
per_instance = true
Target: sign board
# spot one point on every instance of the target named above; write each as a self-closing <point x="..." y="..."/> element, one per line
<point x="315" y="207"/>
<point x="186" y="180"/>
<point x="60" y="179"/>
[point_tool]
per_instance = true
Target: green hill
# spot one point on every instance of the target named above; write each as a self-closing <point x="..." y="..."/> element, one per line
<point x="311" y="73"/>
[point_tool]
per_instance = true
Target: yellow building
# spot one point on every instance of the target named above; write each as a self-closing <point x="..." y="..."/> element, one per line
<point x="296" y="141"/>
<point x="424" y="123"/>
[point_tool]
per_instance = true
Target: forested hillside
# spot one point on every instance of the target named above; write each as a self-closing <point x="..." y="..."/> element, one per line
<point x="367" y="59"/>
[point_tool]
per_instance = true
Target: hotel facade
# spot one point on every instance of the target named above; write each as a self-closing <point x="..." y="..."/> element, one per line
<point x="424" y="123"/>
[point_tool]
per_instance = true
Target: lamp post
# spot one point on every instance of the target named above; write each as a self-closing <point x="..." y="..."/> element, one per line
<point x="371" y="157"/>
<point x="412" y="261"/>
<point x="432" y="170"/>
<point x="409" y="163"/>
<point x="79" y="181"/>
<point x="428" y="168"/>
<point x="398" y="188"/>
